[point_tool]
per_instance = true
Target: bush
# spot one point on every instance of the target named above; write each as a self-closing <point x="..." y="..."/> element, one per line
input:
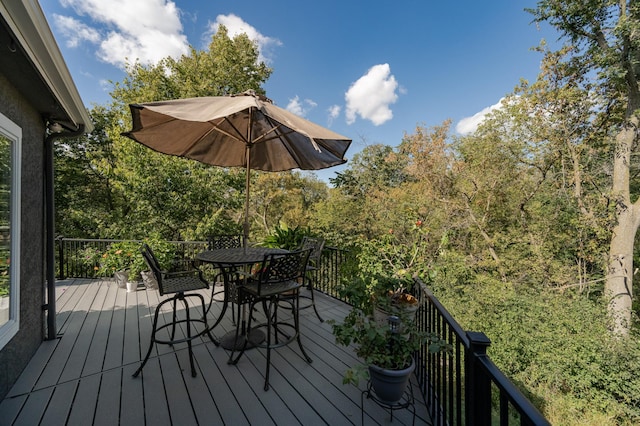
<point x="285" y="238"/>
<point x="555" y="347"/>
<point x="163" y="250"/>
<point x="119" y="257"/>
<point x="126" y="256"/>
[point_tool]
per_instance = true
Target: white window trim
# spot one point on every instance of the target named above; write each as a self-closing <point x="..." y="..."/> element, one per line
<point x="12" y="131"/>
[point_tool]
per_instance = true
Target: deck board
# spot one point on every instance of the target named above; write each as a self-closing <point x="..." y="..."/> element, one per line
<point x="84" y="377"/>
<point x="108" y="404"/>
<point x="84" y="402"/>
<point x="61" y="403"/>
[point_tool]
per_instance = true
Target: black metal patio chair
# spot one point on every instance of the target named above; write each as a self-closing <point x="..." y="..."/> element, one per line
<point x="278" y="280"/>
<point x="218" y="242"/>
<point x="176" y="284"/>
<point x="316" y="245"/>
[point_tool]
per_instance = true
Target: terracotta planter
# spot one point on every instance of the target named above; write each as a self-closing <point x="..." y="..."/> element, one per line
<point x="382" y="317"/>
<point x="390" y="385"/>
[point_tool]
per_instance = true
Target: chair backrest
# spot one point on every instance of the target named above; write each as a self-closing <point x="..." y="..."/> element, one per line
<point x="153" y="264"/>
<point x="279" y="268"/>
<point x="216" y="242"/>
<point x="315" y="245"/>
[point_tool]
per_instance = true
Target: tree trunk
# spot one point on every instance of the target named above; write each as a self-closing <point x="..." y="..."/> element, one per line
<point x="619" y="284"/>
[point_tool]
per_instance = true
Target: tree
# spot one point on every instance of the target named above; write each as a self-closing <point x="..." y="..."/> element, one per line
<point x="604" y="47"/>
<point x="87" y="198"/>
<point x="284" y="197"/>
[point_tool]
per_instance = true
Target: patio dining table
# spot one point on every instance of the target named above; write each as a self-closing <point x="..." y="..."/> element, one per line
<point x="228" y="259"/>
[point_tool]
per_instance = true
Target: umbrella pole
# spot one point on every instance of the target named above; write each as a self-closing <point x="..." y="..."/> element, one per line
<point x="246" y="201"/>
<point x="247" y="151"/>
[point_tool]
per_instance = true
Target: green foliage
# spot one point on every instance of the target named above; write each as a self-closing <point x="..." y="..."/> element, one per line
<point x="364" y="291"/>
<point x="5" y="283"/>
<point x="91" y="257"/>
<point x="120" y="256"/>
<point x="285" y="237"/>
<point x="379" y="343"/>
<point x="553" y="345"/>
<point x="126" y="256"/>
<point x="163" y="250"/>
<point x="379" y="292"/>
<point x="402" y="253"/>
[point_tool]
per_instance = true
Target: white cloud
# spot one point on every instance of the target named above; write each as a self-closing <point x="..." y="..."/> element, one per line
<point x="370" y="96"/>
<point x="334" y="112"/>
<point x="470" y="124"/>
<point x="75" y="31"/>
<point x="235" y="25"/>
<point x="300" y="108"/>
<point x="144" y="30"/>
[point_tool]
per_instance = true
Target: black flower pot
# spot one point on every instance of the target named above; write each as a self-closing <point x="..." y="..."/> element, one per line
<point x="389" y="385"/>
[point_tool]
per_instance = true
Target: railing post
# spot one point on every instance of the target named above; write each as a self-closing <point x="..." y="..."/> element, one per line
<point x="477" y="384"/>
<point x="61" y="257"/>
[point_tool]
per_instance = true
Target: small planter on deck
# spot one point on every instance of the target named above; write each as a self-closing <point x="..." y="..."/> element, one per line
<point x="121" y="278"/>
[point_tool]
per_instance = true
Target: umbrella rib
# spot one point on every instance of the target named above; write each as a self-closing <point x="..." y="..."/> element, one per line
<point x="285" y="134"/>
<point x="333" y="152"/>
<point x="237" y="137"/>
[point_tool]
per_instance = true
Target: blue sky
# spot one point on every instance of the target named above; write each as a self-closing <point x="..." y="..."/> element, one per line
<point x="369" y="70"/>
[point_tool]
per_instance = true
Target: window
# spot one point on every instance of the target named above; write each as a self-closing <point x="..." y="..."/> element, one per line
<point x="10" y="153"/>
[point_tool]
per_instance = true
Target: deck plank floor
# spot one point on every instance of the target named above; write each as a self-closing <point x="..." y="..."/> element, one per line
<point x="84" y="376"/>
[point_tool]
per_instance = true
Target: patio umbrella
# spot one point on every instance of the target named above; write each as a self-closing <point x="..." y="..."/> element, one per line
<point x="244" y="130"/>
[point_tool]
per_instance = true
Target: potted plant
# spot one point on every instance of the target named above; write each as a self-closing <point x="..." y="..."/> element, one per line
<point x="385" y="341"/>
<point x="164" y="252"/>
<point x="90" y="257"/>
<point x="118" y="259"/>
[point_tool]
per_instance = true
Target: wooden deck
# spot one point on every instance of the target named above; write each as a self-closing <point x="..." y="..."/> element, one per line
<point x="84" y="377"/>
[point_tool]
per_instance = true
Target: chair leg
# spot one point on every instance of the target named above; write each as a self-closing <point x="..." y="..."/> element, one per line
<point x="296" y="321"/>
<point x="225" y="304"/>
<point x="175" y="317"/>
<point x="153" y="339"/>
<point x="235" y="360"/>
<point x="189" y="345"/>
<point x="206" y="324"/>
<point x="275" y="331"/>
<point x="313" y="300"/>
<point x="213" y="290"/>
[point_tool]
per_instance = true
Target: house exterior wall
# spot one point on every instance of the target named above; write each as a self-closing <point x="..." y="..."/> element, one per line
<point x="17" y="353"/>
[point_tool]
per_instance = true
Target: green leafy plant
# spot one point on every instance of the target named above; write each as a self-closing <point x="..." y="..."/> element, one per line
<point x="91" y="257"/>
<point x="285" y="238"/>
<point x="381" y="323"/>
<point x="163" y="250"/>
<point x="366" y="291"/>
<point x="389" y="344"/>
<point x="119" y="256"/>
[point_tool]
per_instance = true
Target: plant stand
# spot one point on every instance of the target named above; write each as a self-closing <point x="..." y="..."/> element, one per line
<point x="406" y="401"/>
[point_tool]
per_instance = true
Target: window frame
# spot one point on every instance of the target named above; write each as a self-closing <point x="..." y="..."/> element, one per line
<point x="13" y="132"/>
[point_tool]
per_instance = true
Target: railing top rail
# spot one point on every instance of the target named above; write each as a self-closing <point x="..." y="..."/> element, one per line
<point x="512" y="393"/>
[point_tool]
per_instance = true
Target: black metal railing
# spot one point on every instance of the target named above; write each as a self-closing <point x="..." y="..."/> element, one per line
<point x="461" y="386"/>
<point x="70" y="262"/>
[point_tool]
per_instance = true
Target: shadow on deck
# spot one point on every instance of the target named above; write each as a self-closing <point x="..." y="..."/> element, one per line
<point x="84" y="376"/>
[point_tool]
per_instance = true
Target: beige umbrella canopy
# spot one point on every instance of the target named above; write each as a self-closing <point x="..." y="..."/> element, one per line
<point x="244" y="130"/>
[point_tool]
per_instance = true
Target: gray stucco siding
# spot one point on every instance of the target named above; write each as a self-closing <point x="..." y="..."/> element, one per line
<point x="17" y="353"/>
